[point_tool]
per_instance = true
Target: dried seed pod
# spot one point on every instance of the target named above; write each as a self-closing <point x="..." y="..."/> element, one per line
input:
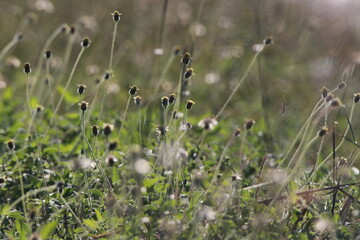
<point x="10" y="144"/>
<point x="85" y="43"/>
<point x="133" y="90"/>
<point x="172" y="98"/>
<point x="329" y="97"/>
<point x="48" y="54"/>
<point x="322" y="132"/>
<point x="249" y="124"/>
<point x="116" y="16"/>
<point x="176" y="50"/>
<point x="137" y="100"/>
<point x="324" y="92"/>
<point x="237" y="132"/>
<point x="356" y="97"/>
<point x="112" y="146"/>
<point x="186" y="58"/>
<point x="39" y="108"/>
<point x="189" y="104"/>
<point x="83" y="106"/>
<point x="95" y="130"/>
<point x="268" y="40"/>
<point x="341" y="85"/>
<point x="81" y="89"/>
<point x="107" y="129"/>
<point x="27" y="68"/>
<point x="165" y="102"/>
<point x="188" y="73"/>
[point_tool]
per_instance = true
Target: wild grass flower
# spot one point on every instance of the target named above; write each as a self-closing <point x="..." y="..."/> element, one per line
<point x="164" y="102"/>
<point x="107" y="129"/>
<point x="95" y="130"/>
<point x="116" y="16"/>
<point x="83" y="106"/>
<point x="323" y="131"/>
<point x="249" y="124"/>
<point x="208" y="123"/>
<point x="189" y="104"/>
<point x="356" y="97"/>
<point x="138" y="101"/>
<point x="10" y="144"/>
<point x="81" y="89"/>
<point x="111" y="160"/>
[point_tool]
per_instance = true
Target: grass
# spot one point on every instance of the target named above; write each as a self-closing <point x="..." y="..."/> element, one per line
<point x="112" y="163"/>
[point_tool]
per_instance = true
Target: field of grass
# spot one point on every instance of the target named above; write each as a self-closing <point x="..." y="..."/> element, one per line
<point x="194" y="119"/>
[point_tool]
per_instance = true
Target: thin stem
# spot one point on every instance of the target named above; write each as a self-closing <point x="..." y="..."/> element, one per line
<point x="18" y="165"/>
<point x="124" y="117"/>
<point x="110" y="69"/>
<point x="216" y="169"/>
<point x="336" y="149"/>
<point x="238" y="85"/>
<point x="45" y="47"/>
<point x="63" y="93"/>
<point x="73" y="213"/>
<point x="8" y="47"/>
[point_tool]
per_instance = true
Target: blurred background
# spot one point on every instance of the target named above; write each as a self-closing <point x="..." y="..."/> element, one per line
<point x="316" y="44"/>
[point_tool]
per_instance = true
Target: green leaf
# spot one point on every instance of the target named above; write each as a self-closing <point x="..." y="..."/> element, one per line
<point x="99" y="217"/>
<point x="48" y="230"/>
<point x="115" y="175"/>
<point x="151" y="181"/>
<point x="22" y="228"/>
<point x="91" y="223"/>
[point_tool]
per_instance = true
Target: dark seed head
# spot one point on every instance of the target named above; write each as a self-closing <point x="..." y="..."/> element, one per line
<point x="322" y="132"/>
<point x="133" y="90"/>
<point x="172" y="98"/>
<point x="177" y="50"/>
<point x="249" y="124"/>
<point x="60" y="186"/>
<point x="237" y="132"/>
<point x="31" y="17"/>
<point x="27" y="68"/>
<point x="268" y="41"/>
<point x="343" y="161"/>
<point x="112" y="146"/>
<point x="189" y="104"/>
<point x="186" y="59"/>
<point x="47" y="54"/>
<point x="137" y="100"/>
<point x="107" y="129"/>
<point x="10" y="144"/>
<point x="81" y="89"/>
<point x="357" y="97"/>
<point x="329" y="97"/>
<point x="165" y="102"/>
<point x="85" y="43"/>
<point x="95" y="130"/>
<point x="83" y="106"/>
<point x="116" y="16"/>
<point x="188" y="73"/>
<point x="175" y="115"/>
<point x="18" y="37"/>
<point x="341" y="85"/>
<point x="65" y="28"/>
<point x="72" y="30"/>
<point x="107" y="75"/>
<point x="324" y="92"/>
<point x="110" y="161"/>
<point x="39" y="108"/>
<point x="336" y="102"/>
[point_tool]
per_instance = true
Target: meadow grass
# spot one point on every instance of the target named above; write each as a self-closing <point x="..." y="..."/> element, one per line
<point x="94" y="164"/>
